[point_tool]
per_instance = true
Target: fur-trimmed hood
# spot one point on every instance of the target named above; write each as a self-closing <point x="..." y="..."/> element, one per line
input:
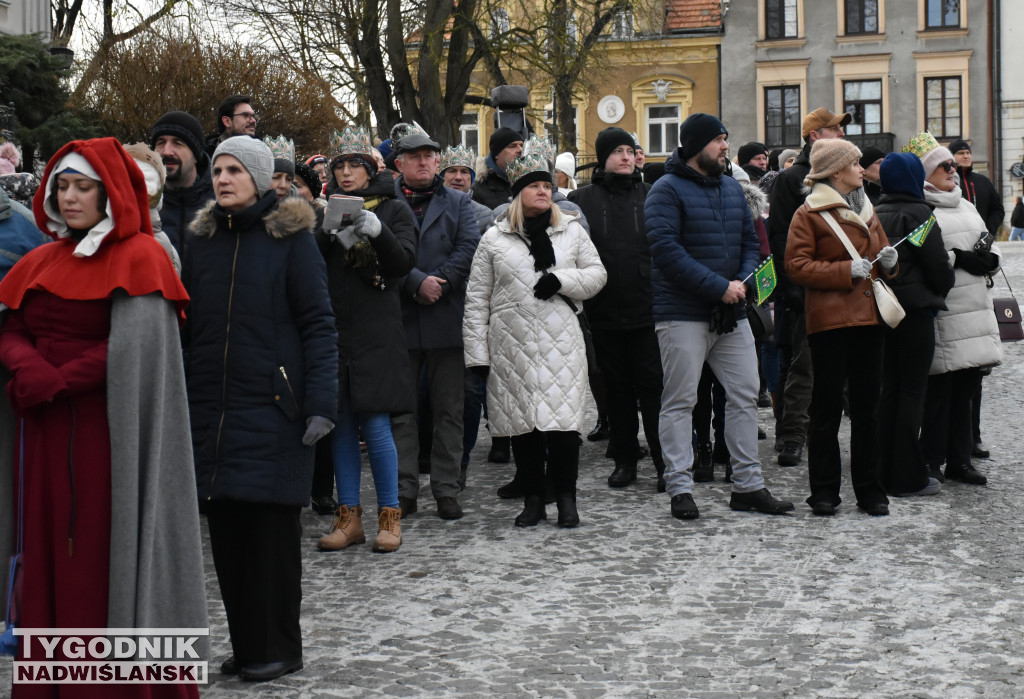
<point x="290" y="216"/>
<point x="757" y="200"/>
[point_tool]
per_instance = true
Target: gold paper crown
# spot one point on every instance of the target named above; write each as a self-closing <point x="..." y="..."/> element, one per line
<point x="456" y="157"/>
<point x="520" y="167"/>
<point x="351" y="141"/>
<point x="281" y="148"/>
<point x="535" y="146"/>
<point x="921" y="144"/>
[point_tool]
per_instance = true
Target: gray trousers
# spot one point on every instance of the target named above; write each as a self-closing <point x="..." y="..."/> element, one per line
<point x="445" y="370"/>
<point x="685" y="346"/>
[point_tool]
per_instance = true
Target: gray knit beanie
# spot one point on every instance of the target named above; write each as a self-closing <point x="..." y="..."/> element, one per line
<point x="254" y="155"/>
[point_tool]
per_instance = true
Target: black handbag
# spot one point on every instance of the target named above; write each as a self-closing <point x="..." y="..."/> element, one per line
<point x="1008" y="315"/>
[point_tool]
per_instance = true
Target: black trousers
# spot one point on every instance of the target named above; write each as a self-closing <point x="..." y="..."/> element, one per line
<point x="257" y="555"/>
<point x="630" y="362"/>
<point x="561" y="450"/>
<point x="946" y="434"/>
<point x="323" y="470"/>
<point x="908" y="356"/>
<point x="837" y="356"/>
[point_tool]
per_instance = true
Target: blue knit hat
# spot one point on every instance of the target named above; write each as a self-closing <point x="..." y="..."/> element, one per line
<point x="902" y="173"/>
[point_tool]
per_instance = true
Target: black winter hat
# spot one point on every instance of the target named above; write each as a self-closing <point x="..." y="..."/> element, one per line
<point x="959" y="145"/>
<point x="610" y="139"/>
<point x="501" y="139"/>
<point x="180" y="125"/>
<point x="697" y="131"/>
<point x="750" y="150"/>
<point x="870" y="155"/>
<point x="284" y="165"/>
<point x="308" y="175"/>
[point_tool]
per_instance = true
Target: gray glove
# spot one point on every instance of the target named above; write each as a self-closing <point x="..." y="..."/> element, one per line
<point x="346" y="236"/>
<point x="316" y="429"/>
<point x="888" y="257"/>
<point x="860" y="269"/>
<point x="366" y="224"/>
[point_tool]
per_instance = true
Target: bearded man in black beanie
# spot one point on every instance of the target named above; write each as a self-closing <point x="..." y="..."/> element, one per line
<point x="703" y="246"/>
<point x="492" y="188"/>
<point x="178" y="138"/>
<point x="620" y="314"/>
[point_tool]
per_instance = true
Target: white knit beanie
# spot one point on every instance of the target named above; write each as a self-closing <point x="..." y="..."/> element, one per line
<point x="934" y="158"/>
<point x="254" y="155"/>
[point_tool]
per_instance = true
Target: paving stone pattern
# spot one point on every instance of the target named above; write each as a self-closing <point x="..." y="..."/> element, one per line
<point x="924" y="603"/>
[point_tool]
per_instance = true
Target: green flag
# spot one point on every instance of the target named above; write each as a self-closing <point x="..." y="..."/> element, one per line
<point x="764" y="279"/>
<point x="917" y="236"/>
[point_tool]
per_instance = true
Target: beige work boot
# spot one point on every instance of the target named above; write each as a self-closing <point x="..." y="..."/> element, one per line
<point x="347" y="529"/>
<point x="389" y="530"/>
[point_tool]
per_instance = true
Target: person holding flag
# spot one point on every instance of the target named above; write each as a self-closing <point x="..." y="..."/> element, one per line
<point x="925" y="277"/>
<point x="843" y="328"/>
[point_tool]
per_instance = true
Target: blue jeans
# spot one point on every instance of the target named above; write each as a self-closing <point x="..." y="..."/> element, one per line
<point x="1016" y="233"/>
<point x="348" y="462"/>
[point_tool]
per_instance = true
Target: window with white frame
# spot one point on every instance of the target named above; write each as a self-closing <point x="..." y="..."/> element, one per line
<point x="469" y="131"/>
<point x="499" y="22"/>
<point x="622" y="24"/>
<point x="662" y="128"/>
<point x="862" y="100"/>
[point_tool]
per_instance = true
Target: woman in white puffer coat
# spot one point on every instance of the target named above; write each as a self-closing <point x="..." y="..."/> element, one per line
<point x="530" y="274"/>
<point x="966" y="334"/>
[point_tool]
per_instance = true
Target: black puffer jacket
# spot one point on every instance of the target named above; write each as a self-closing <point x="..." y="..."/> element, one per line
<point x="925" y="275"/>
<point x="262" y="350"/>
<point x="372" y="353"/>
<point x="614" y="208"/>
<point x="181" y="206"/>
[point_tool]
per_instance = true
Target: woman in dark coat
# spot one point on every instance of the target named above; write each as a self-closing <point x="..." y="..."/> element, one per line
<point x="107" y="512"/>
<point x="924" y="278"/>
<point x="363" y="261"/>
<point x="263" y="388"/>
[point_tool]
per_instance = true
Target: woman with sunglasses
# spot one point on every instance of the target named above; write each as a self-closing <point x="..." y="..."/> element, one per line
<point x="966" y="334"/>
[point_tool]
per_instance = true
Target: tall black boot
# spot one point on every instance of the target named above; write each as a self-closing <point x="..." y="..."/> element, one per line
<point x="567" y="514"/>
<point x="533" y="511"/>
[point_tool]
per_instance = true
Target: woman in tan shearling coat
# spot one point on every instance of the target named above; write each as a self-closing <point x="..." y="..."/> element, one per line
<point x="842" y="323"/>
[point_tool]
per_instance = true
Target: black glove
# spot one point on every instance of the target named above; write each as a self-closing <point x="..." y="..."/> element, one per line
<point x="723" y="318"/>
<point x="482" y="371"/>
<point x="547" y="286"/>
<point x="984" y="243"/>
<point x="976" y="263"/>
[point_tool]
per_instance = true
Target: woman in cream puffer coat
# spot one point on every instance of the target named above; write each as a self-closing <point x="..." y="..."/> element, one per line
<point x="966" y="333"/>
<point x="520" y="331"/>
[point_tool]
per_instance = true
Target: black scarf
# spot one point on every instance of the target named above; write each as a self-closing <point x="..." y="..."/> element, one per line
<point x="536" y="229"/>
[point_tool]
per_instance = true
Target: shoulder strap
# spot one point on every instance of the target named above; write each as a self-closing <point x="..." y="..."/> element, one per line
<point x="840" y="234"/>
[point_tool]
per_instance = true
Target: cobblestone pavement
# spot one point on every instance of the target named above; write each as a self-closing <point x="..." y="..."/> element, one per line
<point x="924" y="603"/>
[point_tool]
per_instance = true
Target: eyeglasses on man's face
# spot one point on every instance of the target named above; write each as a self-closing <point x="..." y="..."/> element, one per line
<point x="248" y="116"/>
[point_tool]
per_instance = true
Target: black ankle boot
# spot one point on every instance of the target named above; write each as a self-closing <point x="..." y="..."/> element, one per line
<point x="533" y="511"/>
<point x="600" y="431"/>
<point x="567" y="514"/>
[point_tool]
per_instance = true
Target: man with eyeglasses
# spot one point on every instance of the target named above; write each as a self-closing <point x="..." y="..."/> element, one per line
<point x="236" y="117"/>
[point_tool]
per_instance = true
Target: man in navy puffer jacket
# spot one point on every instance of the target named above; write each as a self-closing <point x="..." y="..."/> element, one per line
<point x="702" y="246"/>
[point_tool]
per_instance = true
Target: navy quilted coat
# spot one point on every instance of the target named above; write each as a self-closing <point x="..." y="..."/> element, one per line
<point x="702" y="237"/>
<point x="262" y="350"/>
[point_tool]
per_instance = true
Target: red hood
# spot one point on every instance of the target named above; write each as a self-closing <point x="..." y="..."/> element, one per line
<point x="127" y="258"/>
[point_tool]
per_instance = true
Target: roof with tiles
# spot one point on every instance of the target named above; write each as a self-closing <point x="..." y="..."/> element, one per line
<point x="689" y="15"/>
